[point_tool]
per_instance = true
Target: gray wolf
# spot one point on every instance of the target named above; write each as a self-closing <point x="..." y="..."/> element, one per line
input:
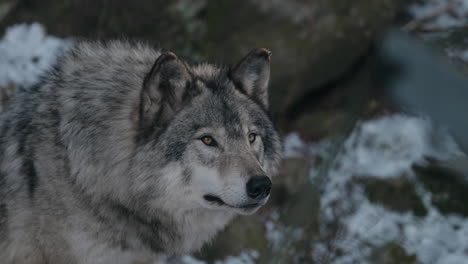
<point x="126" y="154"/>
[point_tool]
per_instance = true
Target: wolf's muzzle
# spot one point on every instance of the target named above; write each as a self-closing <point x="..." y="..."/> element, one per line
<point x="258" y="187"/>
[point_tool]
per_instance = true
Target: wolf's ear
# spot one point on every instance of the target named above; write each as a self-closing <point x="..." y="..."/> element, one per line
<point x="252" y="73"/>
<point x="165" y="88"/>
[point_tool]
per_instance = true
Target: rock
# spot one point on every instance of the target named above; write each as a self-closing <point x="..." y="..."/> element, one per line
<point x="452" y="43"/>
<point x="392" y="253"/>
<point x="245" y="232"/>
<point x="294" y="173"/>
<point x="318" y="124"/>
<point x="397" y="194"/>
<point x="448" y="186"/>
<point x="6" y="6"/>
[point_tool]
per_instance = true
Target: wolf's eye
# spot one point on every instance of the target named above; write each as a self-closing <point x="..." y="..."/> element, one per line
<point x="252" y="137"/>
<point x="209" y="141"/>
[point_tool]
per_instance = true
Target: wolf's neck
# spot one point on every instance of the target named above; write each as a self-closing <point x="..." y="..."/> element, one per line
<point x="196" y="228"/>
<point x="185" y="232"/>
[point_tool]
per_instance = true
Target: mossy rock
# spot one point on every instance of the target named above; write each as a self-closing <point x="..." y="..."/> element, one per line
<point x="396" y="194"/>
<point x="245" y="232"/>
<point x="294" y="173"/>
<point x="448" y="186"/>
<point x="453" y="39"/>
<point x="319" y="124"/>
<point x="392" y="253"/>
<point x="288" y="188"/>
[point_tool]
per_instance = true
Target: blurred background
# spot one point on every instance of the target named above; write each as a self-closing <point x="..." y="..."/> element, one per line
<point x="370" y="97"/>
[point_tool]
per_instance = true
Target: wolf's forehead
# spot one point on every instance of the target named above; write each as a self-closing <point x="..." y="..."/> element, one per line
<point x="208" y="71"/>
<point x="213" y="77"/>
<point x="227" y="111"/>
<point x="224" y="105"/>
<point x="219" y="111"/>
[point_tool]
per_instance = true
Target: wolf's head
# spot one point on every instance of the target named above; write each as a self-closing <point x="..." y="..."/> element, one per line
<point x="210" y="130"/>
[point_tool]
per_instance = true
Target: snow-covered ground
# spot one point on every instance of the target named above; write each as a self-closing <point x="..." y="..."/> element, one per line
<point x="383" y="148"/>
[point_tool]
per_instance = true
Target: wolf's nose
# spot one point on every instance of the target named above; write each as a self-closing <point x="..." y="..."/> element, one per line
<point x="258" y="187"/>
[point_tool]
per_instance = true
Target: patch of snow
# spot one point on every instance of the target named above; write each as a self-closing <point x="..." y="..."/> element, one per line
<point x="441" y="13"/>
<point x="293" y="146"/>
<point x="274" y="234"/>
<point x="464" y="55"/>
<point x="245" y="257"/>
<point x="453" y="259"/>
<point x="457" y="53"/>
<point x="26" y="53"/>
<point x="387" y="147"/>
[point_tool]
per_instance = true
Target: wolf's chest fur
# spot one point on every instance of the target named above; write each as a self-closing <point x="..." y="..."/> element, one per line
<point x="124" y="155"/>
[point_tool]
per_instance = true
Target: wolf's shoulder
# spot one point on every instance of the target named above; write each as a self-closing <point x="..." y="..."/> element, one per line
<point x="110" y="51"/>
<point x="106" y="59"/>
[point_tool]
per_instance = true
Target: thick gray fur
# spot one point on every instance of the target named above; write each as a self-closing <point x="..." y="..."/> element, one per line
<point x="104" y="162"/>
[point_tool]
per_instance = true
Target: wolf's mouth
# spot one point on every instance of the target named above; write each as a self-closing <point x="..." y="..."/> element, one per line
<point x="215" y="199"/>
<point x="249" y="206"/>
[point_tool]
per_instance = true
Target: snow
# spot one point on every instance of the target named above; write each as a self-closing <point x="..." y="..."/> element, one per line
<point x="464" y="56"/>
<point x="457" y="53"/>
<point x="245" y="257"/>
<point x="387" y="147"/>
<point x="439" y="17"/>
<point x="26" y="53"/>
<point x="441" y="13"/>
<point x="190" y="260"/>
<point x="293" y="146"/>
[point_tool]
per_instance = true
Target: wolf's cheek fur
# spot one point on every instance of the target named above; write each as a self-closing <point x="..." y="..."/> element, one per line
<point x="218" y="179"/>
<point x="258" y="149"/>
